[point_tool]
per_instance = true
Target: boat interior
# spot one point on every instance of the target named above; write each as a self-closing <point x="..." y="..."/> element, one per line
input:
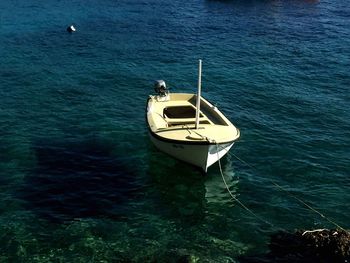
<point x="184" y="113"/>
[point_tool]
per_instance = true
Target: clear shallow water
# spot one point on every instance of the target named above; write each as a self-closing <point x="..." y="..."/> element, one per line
<point x="79" y="179"/>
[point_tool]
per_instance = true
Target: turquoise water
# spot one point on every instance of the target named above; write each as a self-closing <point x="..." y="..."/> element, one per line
<point x="81" y="182"/>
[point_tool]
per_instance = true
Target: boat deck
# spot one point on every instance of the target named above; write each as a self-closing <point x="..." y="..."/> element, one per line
<point x="174" y="120"/>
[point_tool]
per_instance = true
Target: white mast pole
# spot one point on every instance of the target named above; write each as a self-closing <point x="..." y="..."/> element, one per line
<point x="198" y="106"/>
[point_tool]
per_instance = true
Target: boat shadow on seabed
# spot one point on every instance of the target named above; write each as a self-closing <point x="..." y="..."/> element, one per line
<point x="75" y="180"/>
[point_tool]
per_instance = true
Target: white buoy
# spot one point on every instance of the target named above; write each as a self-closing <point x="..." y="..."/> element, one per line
<point x="71" y="29"/>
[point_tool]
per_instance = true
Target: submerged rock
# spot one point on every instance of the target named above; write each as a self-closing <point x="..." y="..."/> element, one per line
<point x="320" y="245"/>
<point x="310" y="246"/>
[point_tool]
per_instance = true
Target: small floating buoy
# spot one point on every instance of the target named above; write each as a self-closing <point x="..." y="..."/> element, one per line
<point x="71" y="29"/>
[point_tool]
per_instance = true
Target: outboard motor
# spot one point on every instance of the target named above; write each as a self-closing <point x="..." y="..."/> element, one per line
<point x="160" y="88"/>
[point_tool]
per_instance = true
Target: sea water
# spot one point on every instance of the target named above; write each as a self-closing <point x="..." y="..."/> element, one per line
<point x="81" y="182"/>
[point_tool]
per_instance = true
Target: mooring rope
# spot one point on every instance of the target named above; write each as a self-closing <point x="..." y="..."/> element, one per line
<point x="233" y="197"/>
<point x="307" y="205"/>
<point x="288" y="193"/>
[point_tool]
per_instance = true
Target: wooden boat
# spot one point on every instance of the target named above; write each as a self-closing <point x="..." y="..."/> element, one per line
<point x="188" y="127"/>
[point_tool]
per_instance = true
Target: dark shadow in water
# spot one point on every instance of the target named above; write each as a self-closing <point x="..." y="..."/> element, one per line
<point x="261" y="1"/>
<point x="241" y="2"/>
<point x="78" y="180"/>
<point x="179" y="188"/>
<point x="271" y="5"/>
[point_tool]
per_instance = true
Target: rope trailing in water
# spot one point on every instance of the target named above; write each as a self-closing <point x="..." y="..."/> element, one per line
<point x="307" y="205"/>
<point x="233" y="197"/>
<point x="291" y="195"/>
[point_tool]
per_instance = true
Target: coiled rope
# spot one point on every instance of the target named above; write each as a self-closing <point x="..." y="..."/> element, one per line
<point x="277" y="186"/>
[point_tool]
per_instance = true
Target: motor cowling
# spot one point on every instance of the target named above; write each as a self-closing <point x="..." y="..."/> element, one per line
<point x="160" y="88"/>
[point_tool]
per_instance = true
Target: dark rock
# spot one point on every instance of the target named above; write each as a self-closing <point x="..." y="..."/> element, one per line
<point x="311" y="246"/>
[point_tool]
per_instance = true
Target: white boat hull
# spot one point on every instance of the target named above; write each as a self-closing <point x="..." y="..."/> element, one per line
<point x="200" y="155"/>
